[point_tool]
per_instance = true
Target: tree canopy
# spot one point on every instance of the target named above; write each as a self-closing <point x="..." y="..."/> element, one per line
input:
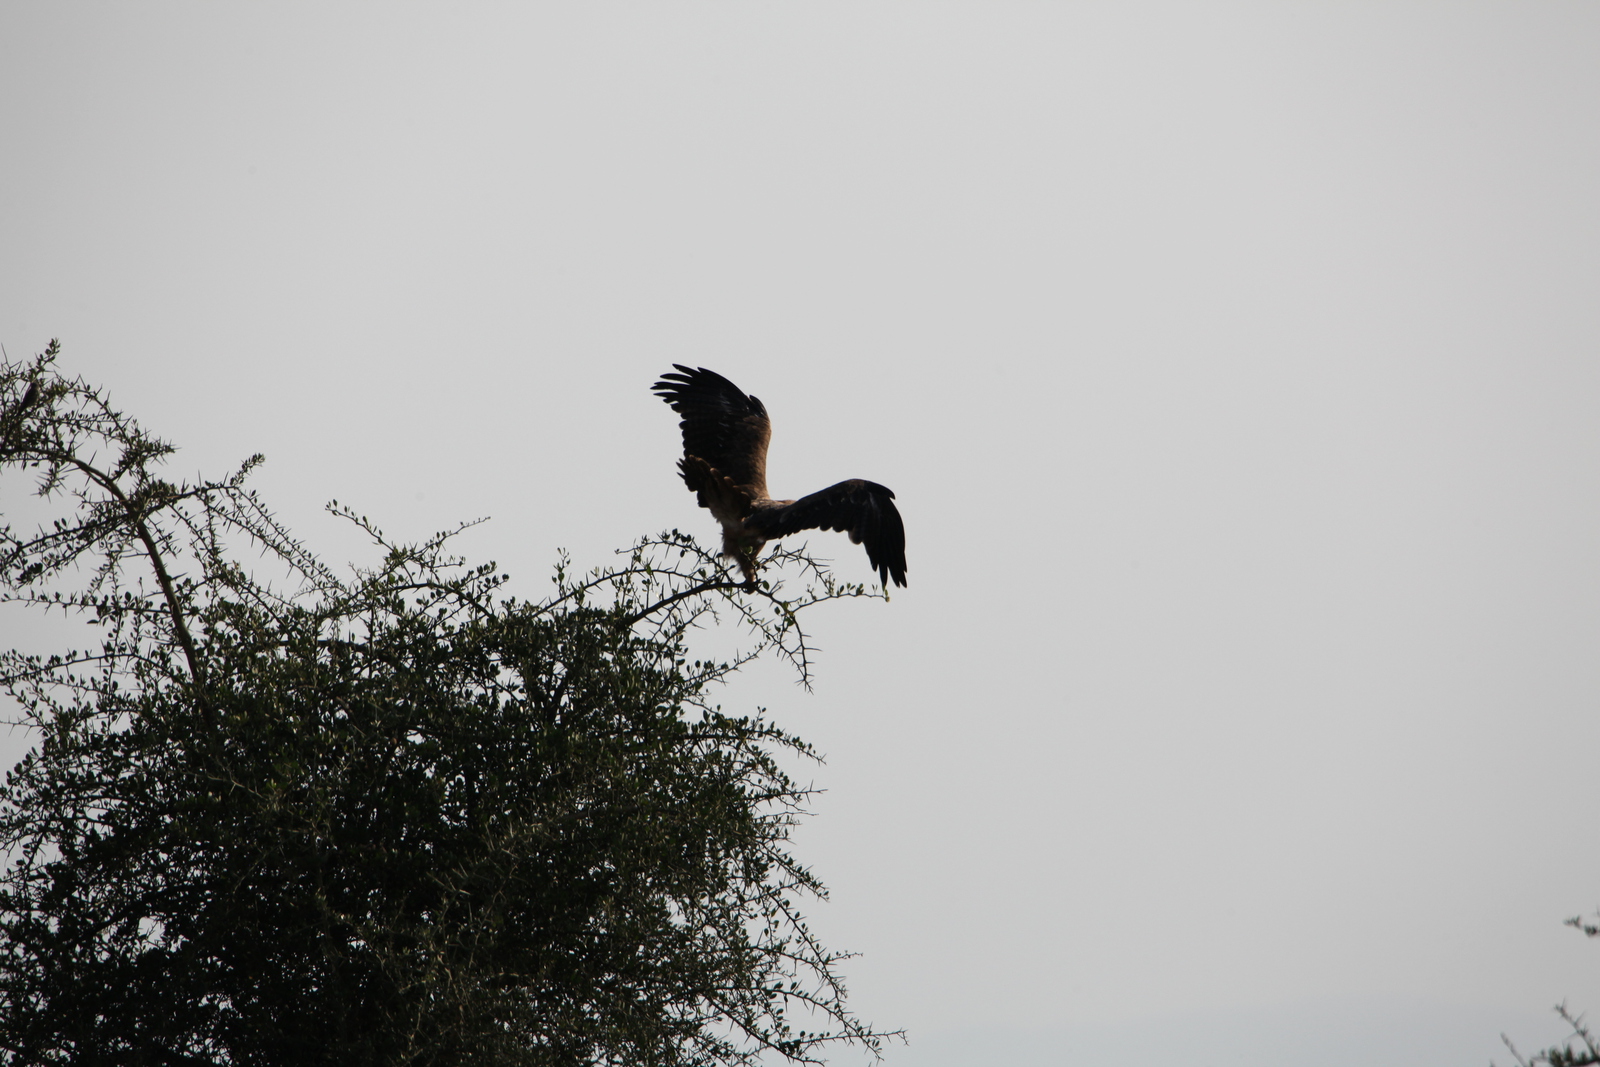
<point x="401" y="817"/>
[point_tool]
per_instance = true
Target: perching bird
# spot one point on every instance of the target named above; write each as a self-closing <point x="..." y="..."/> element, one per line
<point x="724" y="462"/>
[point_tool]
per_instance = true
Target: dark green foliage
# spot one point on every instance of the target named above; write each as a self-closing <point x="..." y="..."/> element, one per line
<point x="397" y="819"/>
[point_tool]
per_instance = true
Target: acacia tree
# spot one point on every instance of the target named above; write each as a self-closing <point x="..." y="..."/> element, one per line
<point x="397" y="818"/>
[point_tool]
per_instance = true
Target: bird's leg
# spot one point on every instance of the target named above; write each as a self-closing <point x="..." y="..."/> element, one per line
<point x="748" y="564"/>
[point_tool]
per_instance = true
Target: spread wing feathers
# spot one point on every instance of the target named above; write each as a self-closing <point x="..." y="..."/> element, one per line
<point x="721" y="425"/>
<point x="865" y="510"/>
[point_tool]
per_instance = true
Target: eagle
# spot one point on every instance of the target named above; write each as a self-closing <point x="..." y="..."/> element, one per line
<point x="725" y="435"/>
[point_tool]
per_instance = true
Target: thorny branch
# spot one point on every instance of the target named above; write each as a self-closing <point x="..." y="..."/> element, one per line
<point x="1582" y="1046"/>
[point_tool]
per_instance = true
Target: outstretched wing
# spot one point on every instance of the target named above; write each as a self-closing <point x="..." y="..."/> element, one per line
<point x="865" y="510"/>
<point x="721" y="425"/>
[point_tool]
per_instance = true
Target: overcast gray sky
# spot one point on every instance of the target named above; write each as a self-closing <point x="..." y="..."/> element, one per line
<point x="1236" y="367"/>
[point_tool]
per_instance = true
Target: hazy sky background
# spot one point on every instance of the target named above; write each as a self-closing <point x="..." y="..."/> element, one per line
<point x="1236" y="366"/>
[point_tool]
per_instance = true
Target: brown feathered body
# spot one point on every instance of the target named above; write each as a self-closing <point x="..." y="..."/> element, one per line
<point x="725" y="437"/>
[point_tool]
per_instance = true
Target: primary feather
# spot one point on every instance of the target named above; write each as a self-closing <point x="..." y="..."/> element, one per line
<point x="725" y="435"/>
